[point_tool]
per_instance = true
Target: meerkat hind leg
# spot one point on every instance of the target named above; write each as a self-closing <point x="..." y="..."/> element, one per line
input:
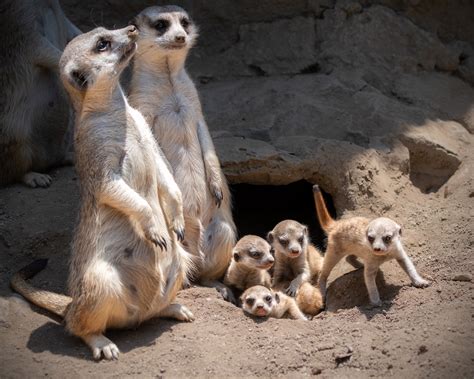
<point x="101" y="345"/>
<point x="178" y="312"/>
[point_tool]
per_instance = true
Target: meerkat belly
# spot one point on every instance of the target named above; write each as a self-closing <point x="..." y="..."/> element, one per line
<point x="176" y="131"/>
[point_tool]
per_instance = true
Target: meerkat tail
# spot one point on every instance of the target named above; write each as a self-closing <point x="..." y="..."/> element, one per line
<point x="309" y="299"/>
<point x="53" y="302"/>
<point x="325" y="219"/>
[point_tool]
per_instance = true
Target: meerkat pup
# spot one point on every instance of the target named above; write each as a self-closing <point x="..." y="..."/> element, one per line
<point x="164" y="93"/>
<point x="127" y="264"/>
<point x="297" y="265"/>
<point x="35" y="118"/>
<point x="296" y="259"/>
<point x="263" y="302"/>
<point x="374" y="241"/>
<point x="251" y="259"/>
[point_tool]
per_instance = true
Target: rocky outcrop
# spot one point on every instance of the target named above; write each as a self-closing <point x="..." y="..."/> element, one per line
<point x="367" y="98"/>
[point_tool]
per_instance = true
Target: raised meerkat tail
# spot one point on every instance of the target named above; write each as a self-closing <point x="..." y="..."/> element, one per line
<point x="53" y="302"/>
<point x="325" y="219"/>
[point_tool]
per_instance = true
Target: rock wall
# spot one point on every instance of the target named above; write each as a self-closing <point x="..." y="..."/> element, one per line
<point x="372" y="99"/>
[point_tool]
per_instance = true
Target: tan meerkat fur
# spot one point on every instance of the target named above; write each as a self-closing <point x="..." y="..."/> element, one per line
<point x="297" y="261"/>
<point x="251" y="259"/>
<point x="35" y="118"/>
<point x="127" y="264"/>
<point x="374" y="241"/>
<point x="263" y="302"/>
<point x="162" y="90"/>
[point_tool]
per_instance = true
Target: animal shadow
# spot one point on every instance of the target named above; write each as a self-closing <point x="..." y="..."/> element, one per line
<point x="54" y="338"/>
<point x="349" y="291"/>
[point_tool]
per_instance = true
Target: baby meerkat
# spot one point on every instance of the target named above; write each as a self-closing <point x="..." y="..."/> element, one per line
<point x="163" y="92"/>
<point x="374" y="241"/>
<point x="263" y="302"/>
<point x="296" y="259"/>
<point x="127" y="264"/>
<point x="297" y="265"/>
<point x="251" y="260"/>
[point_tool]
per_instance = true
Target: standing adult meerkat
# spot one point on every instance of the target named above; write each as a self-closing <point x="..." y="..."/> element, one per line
<point x="297" y="264"/>
<point x="164" y="93"/>
<point x="263" y="302"/>
<point x="35" y="117"/>
<point x="374" y="241"/>
<point x="251" y="259"/>
<point x="127" y="264"/>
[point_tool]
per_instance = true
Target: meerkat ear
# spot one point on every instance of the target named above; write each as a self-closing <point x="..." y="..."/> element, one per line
<point x="270" y="237"/>
<point x="399" y="230"/>
<point x="79" y="79"/>
<point x="236" y="256"/>
<point x="277" y="298"/>
<point x="305" y="230"/>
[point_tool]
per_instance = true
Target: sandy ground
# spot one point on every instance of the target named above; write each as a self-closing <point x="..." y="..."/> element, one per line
<point x="416" y="333"/>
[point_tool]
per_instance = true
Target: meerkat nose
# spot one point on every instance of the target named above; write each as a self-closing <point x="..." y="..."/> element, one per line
<point x="295" y="251"/>
<point x="271" y="259"/>
<point x="132" y="30"/>
<point x="377" y="249"/>
<point x="179" y="39"/>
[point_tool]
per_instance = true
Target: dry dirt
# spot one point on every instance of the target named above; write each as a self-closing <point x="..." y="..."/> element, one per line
<point x="416" y="333"/>
<point x="375" y="102"/>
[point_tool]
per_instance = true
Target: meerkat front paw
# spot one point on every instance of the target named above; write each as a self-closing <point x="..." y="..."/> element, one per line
<point x="152" y="234"/>
<point x="178" y="228"/>
<point x="292" y="289"/>
<point x="421" y="283"/>
<point x="35" y="179"/>
<point x="216" y="191"/>
<point x="376" y="303"/>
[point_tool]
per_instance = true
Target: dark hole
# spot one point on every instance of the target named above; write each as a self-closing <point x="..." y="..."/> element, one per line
<point x="257" y="209"/>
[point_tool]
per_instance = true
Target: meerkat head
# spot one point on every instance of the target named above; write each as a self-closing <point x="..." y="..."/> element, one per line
<point x="253" y="252"/>
<point x="383" y="235"/>
<point x="165" y="30"/>
<point x="259" y="301"/>
<point x="289" y="238"/>
<point x="96" y="59"/>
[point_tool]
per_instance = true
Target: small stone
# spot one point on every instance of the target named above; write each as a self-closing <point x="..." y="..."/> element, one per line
<point x="422" y="349"/>
<point x="316" y="371"/>
<point x="463" y="278"/>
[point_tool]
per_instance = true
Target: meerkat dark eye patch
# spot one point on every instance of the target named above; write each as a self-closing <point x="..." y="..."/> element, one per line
<point x="268" y="299"/>
<point x="184" y="22"/>
<point x="79" y="79"/>
<point x="301" y="240"/>
<point x="283" y="242"/>
<point x="255" y="254"/>
<point x="371" y="239"/>
<point x="387" y="239"/>
<point x="102" y="45"/>
<point x="161" y="26"/>
<point x="249" y="301"/>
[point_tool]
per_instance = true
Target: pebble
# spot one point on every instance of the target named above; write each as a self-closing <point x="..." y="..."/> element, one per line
<point x="463" y="278"/>
<point x="422" y="349"/>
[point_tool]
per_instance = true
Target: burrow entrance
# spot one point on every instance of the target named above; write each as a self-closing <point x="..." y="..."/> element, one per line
<point x="258" y="208"/>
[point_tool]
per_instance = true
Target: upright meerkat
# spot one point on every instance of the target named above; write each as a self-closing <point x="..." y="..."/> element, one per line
<point x="162" y="90"/>
<point x="35" y="117"/>
<point x="127" y="264"/>
<point x="251" y="259"/>
<point x="374" y="241"/>
<point x="297" y="264"/>
<point x="263" y="302"/>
